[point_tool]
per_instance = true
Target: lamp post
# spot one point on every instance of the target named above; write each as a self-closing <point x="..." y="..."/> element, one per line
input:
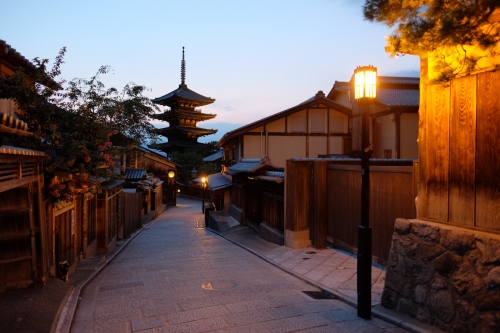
<point x="203" y="184"/>
<point x="171" y="185"/>
<point x="365" y="91"/>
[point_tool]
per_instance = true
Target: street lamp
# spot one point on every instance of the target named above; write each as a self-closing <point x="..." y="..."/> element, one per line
<point x="203" y="184"/>
<point x="365" y="91"/>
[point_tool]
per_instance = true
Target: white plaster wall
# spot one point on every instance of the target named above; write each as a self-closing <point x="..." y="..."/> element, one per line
<point x="282" y="148"/>
<point x="409" y="135"/>
<point x="297" y="122"/>
<point x="276" y="126"/>
<point x="339" y="122"/>
<point x="317" y="146"/>
<point x="384" y="136"/>
<point x="317" y="120"/>
<point x="336" y="145"/>
<point x="253" y="146"/>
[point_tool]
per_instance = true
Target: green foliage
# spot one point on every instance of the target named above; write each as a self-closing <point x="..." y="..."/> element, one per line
<point x="421" y="26"/>
<point x="193" y="159"/>
<point x="76" y="122"/>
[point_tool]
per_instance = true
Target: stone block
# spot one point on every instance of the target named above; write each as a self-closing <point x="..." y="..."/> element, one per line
<point x="446" y="263"/>
<point x="465" y="311"/>
<point x="271" y="234"/>
<point x="419" y="271"/>
<point x="425" y="231"/>
<point x="236" y="212"/>
<point x="406" y="306"/>
<point x="492" y="252"/>
<point x="488" y="301"/>
<point x="420" y="294"/>
<point x="430" y="251"/>
<point x="441" y="305"/>
<point x="457" y="240"/>
<point x="465" y="279"/>
<point x="405" y="246"/>
<point x="402" y="226"/>
<point x="438" y="284"/>
<point x="493" y="278"/>
<point x="398" y="283"/>
<point x="422" y="314"/>
<point x="389" y="298"/>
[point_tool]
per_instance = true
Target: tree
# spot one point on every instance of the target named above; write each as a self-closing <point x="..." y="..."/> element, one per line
<point x="422" y="26"/>
<point x="192" y="158"/>
<point x="76" y="122"/>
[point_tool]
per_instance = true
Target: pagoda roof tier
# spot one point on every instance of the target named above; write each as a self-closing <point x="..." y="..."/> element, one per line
<point x="184" y="97"/>
<point x="193" y="131"/>
<point x="183" y="114"/>
<point x="171" y="146"/>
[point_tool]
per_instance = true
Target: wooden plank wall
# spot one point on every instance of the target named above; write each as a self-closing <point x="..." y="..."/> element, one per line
<point x="392" y="196"/>
<point x="298" y="194"/>
<point x="487" y="153"/>
<point x="434" y="156"/>
<point x="344" y="199"/>
<point x="328" y="199"/>
<point x="132" y="204"/>
<point x="463" y="150"/>
<point x="273" y="211"/>
<point x="459" y="159"/>
<point x="64" y="239"/>
<point x="15" y="241"/>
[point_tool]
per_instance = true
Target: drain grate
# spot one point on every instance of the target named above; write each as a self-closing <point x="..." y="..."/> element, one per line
<point x="319" y="295"/>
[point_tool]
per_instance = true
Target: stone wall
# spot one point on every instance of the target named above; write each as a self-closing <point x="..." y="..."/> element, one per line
<point x="444" y="275"/>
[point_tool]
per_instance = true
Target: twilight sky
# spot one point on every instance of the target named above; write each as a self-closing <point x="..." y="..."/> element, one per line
<point x="256" y="58"/>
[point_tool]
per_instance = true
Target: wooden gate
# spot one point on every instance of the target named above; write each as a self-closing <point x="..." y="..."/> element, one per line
<point x="17" y="241"/>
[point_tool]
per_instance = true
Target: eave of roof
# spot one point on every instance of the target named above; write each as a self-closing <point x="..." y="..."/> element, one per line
<point x="183" y="93"/>
<point x="186" y="129"/>
<point x="213" y="157"/>
<point x="183" y="113"/>
<point x="252" y="165"/>
<point x="319" y="98"/>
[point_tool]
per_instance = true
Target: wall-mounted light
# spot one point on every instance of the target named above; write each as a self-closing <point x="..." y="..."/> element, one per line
<point x="171" y="174"/>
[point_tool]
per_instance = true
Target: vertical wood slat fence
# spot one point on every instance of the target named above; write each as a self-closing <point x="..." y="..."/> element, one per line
<point x="459" y="160"/>
<point x="132" y="212"/>
<point x="109" y="221"/>
<point x="333" y="211"/>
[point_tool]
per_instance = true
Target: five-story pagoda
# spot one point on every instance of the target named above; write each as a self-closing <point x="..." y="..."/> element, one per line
<point x="183" y="116"/>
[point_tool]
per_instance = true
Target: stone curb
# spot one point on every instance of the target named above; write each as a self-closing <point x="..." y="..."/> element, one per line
<point x="66" y="312"/>
<point x="377" y="311"/>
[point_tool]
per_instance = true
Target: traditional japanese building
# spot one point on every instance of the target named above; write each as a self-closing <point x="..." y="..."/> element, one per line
<point x="183" y="116"/>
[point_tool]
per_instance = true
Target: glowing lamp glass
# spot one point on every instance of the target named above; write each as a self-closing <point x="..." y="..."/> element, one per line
<point x="365" y="82"/>
<point x="171" y="174"/>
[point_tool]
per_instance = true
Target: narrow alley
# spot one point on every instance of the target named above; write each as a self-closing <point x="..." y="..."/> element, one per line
<point x="176" y="276"/>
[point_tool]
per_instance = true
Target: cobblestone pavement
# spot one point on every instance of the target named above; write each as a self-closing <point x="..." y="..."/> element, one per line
<point x="178" y="277"/>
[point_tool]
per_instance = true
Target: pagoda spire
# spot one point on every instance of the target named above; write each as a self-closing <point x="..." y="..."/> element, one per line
<point x="183" y="70"/>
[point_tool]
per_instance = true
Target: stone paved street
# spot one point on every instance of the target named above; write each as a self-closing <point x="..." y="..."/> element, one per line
<point x="175" y="276"/>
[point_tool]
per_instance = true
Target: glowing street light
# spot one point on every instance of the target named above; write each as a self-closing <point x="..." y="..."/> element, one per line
<point x="365" y="92"/>
<point x="203" y="184"/>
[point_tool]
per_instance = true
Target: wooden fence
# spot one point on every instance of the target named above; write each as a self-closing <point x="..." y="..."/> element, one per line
<point x="132" y="212"/>
<point x="324" y="196"/>
<point x="459" y="159"/>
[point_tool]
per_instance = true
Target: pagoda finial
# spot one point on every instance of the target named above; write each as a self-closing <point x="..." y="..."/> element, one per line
<point x="183" y="69"/>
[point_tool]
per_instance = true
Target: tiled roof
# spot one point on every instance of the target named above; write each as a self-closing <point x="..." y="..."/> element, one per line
<point x="319" y="98"/>
<point x="183" y="93"/>
<point x="272" y="176"/>
<point x="20" y="151"/>
<point x="219" y="181"/>
<point x="132" y="173"/>
<point x="398" y="80"/>
<point x="251" y="165"/>
<point x="398" y="97"/>
<point x="213" y="157"/>
<point x="197" y="130"/>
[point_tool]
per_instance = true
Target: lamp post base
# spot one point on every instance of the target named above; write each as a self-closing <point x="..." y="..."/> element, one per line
<point x="364" y="272"/>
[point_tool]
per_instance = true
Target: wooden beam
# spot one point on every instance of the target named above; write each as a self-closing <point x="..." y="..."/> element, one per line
<point x="10" y="184"/>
